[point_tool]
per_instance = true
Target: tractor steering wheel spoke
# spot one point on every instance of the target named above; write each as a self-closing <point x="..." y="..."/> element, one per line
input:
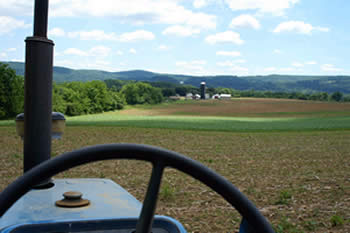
<point x="145" y="220"/>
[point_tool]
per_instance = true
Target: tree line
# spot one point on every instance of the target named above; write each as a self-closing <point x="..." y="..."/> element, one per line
<point x="77" y="98"/>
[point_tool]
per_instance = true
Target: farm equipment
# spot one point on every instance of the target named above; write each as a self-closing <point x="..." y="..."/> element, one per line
<point x="34" y="203"/>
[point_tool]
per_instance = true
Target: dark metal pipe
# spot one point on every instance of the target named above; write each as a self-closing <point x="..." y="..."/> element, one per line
<point x="202" y="90"/>
<point x="40" y="17"/>
<point x="38" y="91"/>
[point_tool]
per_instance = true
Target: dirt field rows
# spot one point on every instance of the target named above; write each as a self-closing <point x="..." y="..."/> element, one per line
<point x="247" y="107"/>
<point x="300" y="181"/>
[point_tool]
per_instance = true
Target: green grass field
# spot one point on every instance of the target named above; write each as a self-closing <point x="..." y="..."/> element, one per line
<point x="231" y="124"/>
<point x="294" y="167"/>
<point x="208" y="123"/>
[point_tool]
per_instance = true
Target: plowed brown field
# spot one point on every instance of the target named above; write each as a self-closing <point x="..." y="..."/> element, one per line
<point x="246" y="107"/>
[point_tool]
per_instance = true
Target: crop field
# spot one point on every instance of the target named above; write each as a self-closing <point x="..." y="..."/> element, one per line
<point x="246" y="107"/>
<point x="293" y="162"/>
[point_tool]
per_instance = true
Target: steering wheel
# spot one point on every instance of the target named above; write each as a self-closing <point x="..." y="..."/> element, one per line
<point x="160" y="158"/>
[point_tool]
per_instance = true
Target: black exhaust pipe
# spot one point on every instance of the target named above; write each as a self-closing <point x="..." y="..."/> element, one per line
<point x="38" y="91"/>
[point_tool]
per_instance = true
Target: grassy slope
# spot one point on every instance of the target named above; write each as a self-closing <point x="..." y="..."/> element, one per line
<point x="241" y="115"/>
<point x="213" y="123"/>
<point x="235" y="116"/>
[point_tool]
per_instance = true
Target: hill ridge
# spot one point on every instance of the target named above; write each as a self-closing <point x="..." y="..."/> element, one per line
<point x="272" y="82"/>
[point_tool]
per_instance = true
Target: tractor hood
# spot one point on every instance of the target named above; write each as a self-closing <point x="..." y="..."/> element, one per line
<point x="107" y="200"/>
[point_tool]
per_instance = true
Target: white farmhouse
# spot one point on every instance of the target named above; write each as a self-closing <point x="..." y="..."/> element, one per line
<point x="225" y="96"/>
<point x="221" y="96"/>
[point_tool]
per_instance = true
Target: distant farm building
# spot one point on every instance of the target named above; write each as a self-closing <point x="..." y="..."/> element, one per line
<point x="225" y="96"/>
<point x="222" y="96"/>
<point x="216" y="96"/>
<point x="191" y="96"/>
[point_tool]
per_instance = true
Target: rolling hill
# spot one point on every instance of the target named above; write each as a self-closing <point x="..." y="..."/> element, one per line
<point x="268" y="82"/>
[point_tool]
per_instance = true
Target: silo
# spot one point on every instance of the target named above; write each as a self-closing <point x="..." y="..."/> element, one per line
<point x="203" y="90"/>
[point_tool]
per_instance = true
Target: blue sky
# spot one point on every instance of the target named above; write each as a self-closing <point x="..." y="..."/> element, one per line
<point x="197" y="37"/>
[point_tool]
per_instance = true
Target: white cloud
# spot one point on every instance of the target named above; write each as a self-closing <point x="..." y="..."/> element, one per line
<point x="58" y="54"/>
<point x="276" y="7"/>
<point x="277" y="51"/>
<point x="134" y="11"/>
<point x="93" y="35"/>
<point x="322" y="29"/>
<point x="233" y="66"/>
<point x="75" y="52"/>
<point x="120" y="53"/>
<point x="287" y="69"/>
<point x="200" y="3"/>
<point x="228" y="53"/>
<point x="17" y="60"/>
<point x="136" y="36"/>
<point x="11" y="50"/>
<point x="101" y="35"/>
<point x="87" y="63"/>
<point x="98" y="51"/>
<point x="3" y="55"/>
<point x="310" y="63"/>
<point x="239" y="69"/>
<point x="182" y="31"/>
<point x="192" y="67"/>
<point x="330" y="68"/>
<point x="56" y="32"/>
<point x="102" y="63"/>
<point x="270" y="69"/>
<point x="192" y="63"/>
<point x="245" y="21"/>
<point x="66" y="63"/>
<point x="16" y="7"/>
<point x="240" y="61"/>
<point x="163" y="47"/>
<point x="132" y="50"/>
<point x="227" y="36"/>
<point x="298" y="27"/>
<point x="201" y="20"/>
<point x="231" y="63"/>
<point x="8" y="24"/>
<point x="297" y="64"/>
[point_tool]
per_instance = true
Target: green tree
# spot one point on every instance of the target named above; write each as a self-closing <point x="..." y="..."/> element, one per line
<point x="223" y="90"/>
<point x="181" y="90"/>
<point x="116" y="101"/>
<point x="130" y="92"/>
<point x="324" y="96"/>
<point x="141" y="93"/>
<point x="168" y="92"/>
<point x="58" y="102"/>
<point x="337" y="96"/>
<point x="115" y="84"/>
<point x="78" y="103"/>
<point x="11" y="92"/>
<point x="98" y="95"/>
